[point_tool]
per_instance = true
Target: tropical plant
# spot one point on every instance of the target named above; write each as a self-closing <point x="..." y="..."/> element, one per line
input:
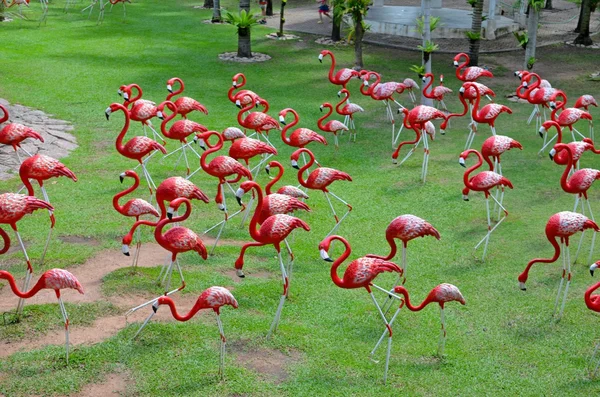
<point x="522" y="38"/>
<point x="530" y="62"/>
<point x="243" y="21"/>
<point x="357" y="10"/>
<point x="433" y="24"/>
<point x="418" y="69"/>
<point x="475" y="38"/>
<point x="427" y="49"/>
<point x="281" y="18"/>
<point x="338" y="16"/>
<point x="472" y="3"/>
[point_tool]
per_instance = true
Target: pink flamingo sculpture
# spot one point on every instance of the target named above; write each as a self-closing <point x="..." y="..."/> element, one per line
<point x="177" y="187"/>
<point x="14" y="133"/>
<point x="569" y="116"/>
<point x="184" y="104"/>
<point x="300" y="137"/>
<point x="176" y="240"/>
<point x="538" y="94"/>
<point x="211" y="298"/>
<point x="483" y="182"/>
<point x="333" y="126"/>
<point x="361" y="273"/>
<point x="137" y="147"/>
<point x="342" y="76"/>
<point x="577" y="147"/>
<point x="471" y="73"/>
<point x="561" y="225"/>
<point x="585" y="101"/>
<point x="244" y="96"/>
<point x="273" y="230"/>
<point x="411" y="86"/>
<point x="55" y="279"/>
<point x="134" y="207"/>
<point x="41" y="168"/>
<point x="593" y="303"/>
<point x="578" y="184"/>
<point x="523" y="92"/>
<point x="469" y="92"/>
<point x="436" y="93"/>
<point x="320" y="179"/>
<point x="441" y="294"/>
<point x="13" y="207"/>
<point x="142" y="110"/>
<point x="221" y="167"/>
<point x="486" y="114"/>
<point x="126" y="91"/>
<point x="348" y="111"/>
<point x="180" y="130"/>
<point x="259" y="122"/>
<point x="417" y="119"/>
<point x="289" y="190"/>
<point x="244" y="148"/>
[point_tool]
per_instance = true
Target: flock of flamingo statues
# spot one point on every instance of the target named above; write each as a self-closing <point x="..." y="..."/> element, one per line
<point x="271" y="222"/>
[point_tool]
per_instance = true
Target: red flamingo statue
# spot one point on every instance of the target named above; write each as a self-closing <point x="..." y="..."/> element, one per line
<point x="126" y="91"/>
<point x="342" y="76"/>
<point x="436" y="93"/>
<point x="137" y="147"/>
<point x="471" y="73"/>
<point x="300" y="137"/>
<point x="134" y="207"/>
<point x="141" y="110"/>
<point x="211" y="298"/>
<point x="569" y="116"/>
<point x="320" y="179"/>
<point x="177" y="187"/>
<point x="487" y="114"/>
<point x="585" y="101"/>
<point x="333" y="126"/>
<point x="244" y="148"/>
<point x="13" y="207"/>
<point x="289" y="190"/>
<point x="14" y="133"/>
<point x="411" y="86"/>
<point x="221" y="167"/>
<point x="469" y="92"/>
<point x="561" y="225"/>
<point x="361" y="273"/>
<point x="55" y="279"/>
<point x="258" y="122"/>
<point x="483" y="182"/>
<point x="593" y="303"/>
<point x="441" y="294"/>
<point x="348" y="111"/>
<point x="272" y="231"/>
<point x="41" y="168"/>
<point x="180" y="130"/>
<point x="184" y="104"/>
<point x="577" y="147"/>
<point x="244" y="96"/>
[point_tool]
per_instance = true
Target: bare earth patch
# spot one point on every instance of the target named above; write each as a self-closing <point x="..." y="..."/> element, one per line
<point x="112" y="385"/>
<point x="269" y="362"/>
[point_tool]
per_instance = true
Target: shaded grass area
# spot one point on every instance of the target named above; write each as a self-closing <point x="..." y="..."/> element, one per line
<point x="503" y="339"/>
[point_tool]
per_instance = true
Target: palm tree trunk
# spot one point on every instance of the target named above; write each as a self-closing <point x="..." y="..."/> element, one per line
<point x="359" y="32"/>
<point x="269" y="10"/>
<point x="584" y="31"/>
<point x="216" y="17"/>
<point x="245" y="5"/>
<point x="336" y="25"/>
<point x="532" y="26"/>
<point x="548" y="5"/>
<point x="475" y="28"/>
<point x="208" y="4"/>
<point x="1" y="11"/>
<point x="281" y="18"/>
<point x="578" y="28"/>
<point x="426" y="38"/>
<point x="244" y="46"/>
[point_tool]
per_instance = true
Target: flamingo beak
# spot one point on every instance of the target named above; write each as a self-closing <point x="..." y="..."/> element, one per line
<point x="170" y="212"/>
<point x="525" y="84"/>
<point x="592" y="268"/>
<point x="107" y="113"/>
<point x="552" y="105"/>
<point x="281" y="120"/>
<point x="126" y="96"/>
<point x="552" y="153"/>
<point x="542" y="131"/>
<point x="268" y="169"/>
<point x="462" y="91"/>
<point x="155" y="306"/>
<point x="238" y="104"/>
<point x="160" y="115"/>
<point x="321" y="108"/>
<point x="122" y="177"/>
<point x="461" y="161"/>
<point x="125" y="249"/>
<point x="234" y="84"/>
<point x="321" y="58"/>
<point x="120" y="93"/>
<point x="239" y="194"/>
<point x="169" y="88"/>
<point x="339" y="94"/>
<point x="325" y="256"/>
<point x="295" y="164"/>
<point x="522" y="286"/>
<point x="200" y="142"/>
<point x="456" y="64"/>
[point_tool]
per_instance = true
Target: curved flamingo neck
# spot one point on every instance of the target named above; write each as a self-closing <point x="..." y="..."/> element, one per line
<point x="340" y="103"/>
<point x="401" y="290"/>
<point x="139" y="93"/>
<point x="275" y="179"/>
<point x="533" y="86"/>
<point x="552" y="239"/>
<point x="285" y="129"/>
<point x="332" y="67"/>
<point x="564" y="182"/>
<point x="375" y="84"/>
<point x="320" y="121"/>
<point x="28" y="185"/>
<point x="4" y="114"/>
<point x="475" y="110"/>
<point x="405" y="122"/>
<point x="15" y="289"/>
<point x="560" y="105"/>
<point x="211" y="149"/>
<point x="306" y="166"/>
<point x="393" y="248"/>
<point x="169" y="302"/>
<point x="163" y="125"/>
<point x="254" y="232"/>
<point x="472" y="168"/>
<point x="158" y="235"/>
<point x="119" y="142"/>
<point x="558" y="131"/>
<point x="588" y="294"/>
<point x="129" y="235"/>
<point x="136" y="183"/>
<point x="233" y="87"/>
<point x="427" y="86"/>
<point x="6" y="240"/>
<point x="179" y="91"/>
<point x="334" y="276"/>
<point x="244" y="109"/>
<point x="462" y="67"/>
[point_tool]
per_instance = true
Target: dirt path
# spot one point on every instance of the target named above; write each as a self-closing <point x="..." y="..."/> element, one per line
<point x="112" y="385"/>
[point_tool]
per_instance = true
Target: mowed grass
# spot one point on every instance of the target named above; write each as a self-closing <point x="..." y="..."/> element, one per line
<point x="503" y="341"/>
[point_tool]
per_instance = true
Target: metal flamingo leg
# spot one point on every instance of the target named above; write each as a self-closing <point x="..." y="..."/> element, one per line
<point x="534" y="112"/>
<point x="66" y="319"/>
<point x="490" y="228"/>
<point x="591" y="362"/>
<point x="150" y="302"/>
<point x="547" y="143"/>
<point x="223" y="345"/>
<point x="425" y="157"/>
<point x="564" y="300"/>
<point x="275" y="323"/>
<point x="579" y="200"/>
<point x="442" y="342"/>
<point x="28" y="276"/>
<point x="562" y="278"/>
<point x="411" y="151"/>
<point x="591" y="216"/>
<point x="338" y="220"/>
<point x="51" y="226"/>
<point x="387" y="303"/>
<point x="145" y="323"/>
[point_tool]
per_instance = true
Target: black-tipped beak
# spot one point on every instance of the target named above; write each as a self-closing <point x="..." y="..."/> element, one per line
<point x="240" y="106"/>
<point x="169" y="215"/>
<point x="268" y="170"/>
<point x="320" y="60"/>
<point x="551" y="156"/>
<point x="541" y="134"/>
<point x="107" y="116"/>
<point x="282" y="122"/>
<point x="170" y="90"/>
<point x="592" y="272"/>
<point x="154" y="308"/>
<point x="239" y="200"/>
<point x="296" y="166"/>
<point x="121" y="178"/>
<point x="126" y="253"/>
<point x="463" y="165"/>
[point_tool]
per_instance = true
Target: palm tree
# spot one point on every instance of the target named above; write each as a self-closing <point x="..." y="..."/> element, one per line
<point x="584" y="23"/>
<point x="243" y="22"/>
<point x="216" y="17"/>
<point x="208" y="4"/>
<point x="475" y="34"/>
<point x="357" y="10"/>
<point x="532" y="25"/>
<point x="281" y="18"/>
<point x="336" y="25"/>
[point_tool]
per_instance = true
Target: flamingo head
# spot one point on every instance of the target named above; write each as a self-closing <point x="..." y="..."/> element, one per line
<point x="282" y="117"/>
<point x="128" y="173"/>
<point x="458" y="57"/>
<point x="294" y="158"/>
<point x="462" y="90"/>
<point x="238" y="103"/>
<point x="322" y="54"/>
<point x="324" y="249"/>
<point x="244" y="187"/>
<point x="110" y="109"/>
<point x="170" y="83"/>
<point x="199" y="139"/>
<point x="542" y="131"/>
<point x="175" y="204"/>
<point x="594" y="267"/>
<point x="126" y="242"/>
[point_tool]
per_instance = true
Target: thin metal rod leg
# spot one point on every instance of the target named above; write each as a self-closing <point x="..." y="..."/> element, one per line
<point x="275" y="322"/>
<point x="562" y="277"/>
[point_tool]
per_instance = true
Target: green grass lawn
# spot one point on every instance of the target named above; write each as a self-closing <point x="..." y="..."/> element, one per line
<point x="502" y="342"/>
